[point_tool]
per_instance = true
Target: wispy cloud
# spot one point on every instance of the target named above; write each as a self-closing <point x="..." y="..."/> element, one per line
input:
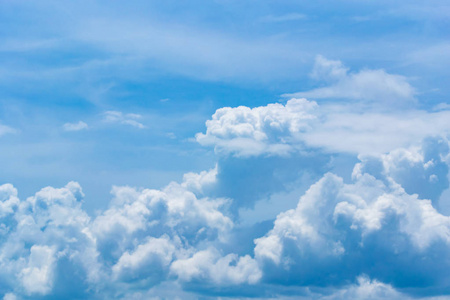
<point x="6" y="129"/>
<point x="284" y="18"/>
<point x="121" y="118"/>
<point x="367" y="85"/>
<point x="75" y="126"/>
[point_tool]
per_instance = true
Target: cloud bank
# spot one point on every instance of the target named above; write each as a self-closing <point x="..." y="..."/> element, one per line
<point x="373" y="237"/>
<point x="377" y="231"/>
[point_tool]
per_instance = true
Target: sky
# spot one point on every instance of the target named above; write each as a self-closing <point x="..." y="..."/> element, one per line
<point x="224" y="149"/>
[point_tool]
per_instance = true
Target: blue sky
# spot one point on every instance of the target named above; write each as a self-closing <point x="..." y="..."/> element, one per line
<point x="203" y="149"/>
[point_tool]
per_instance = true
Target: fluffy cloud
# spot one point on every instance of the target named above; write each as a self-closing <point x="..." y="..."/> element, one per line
<point x="208" y="265"/>
<point x="42" y="233"/>
<point x="148" y="261"/>
<point x="340" y="230"/>
<point x="421" y="169"/>
<point x="134" y="242"/>
<point x="37" y="277"/>
<point x="367" y="289"/>
<point x="300" y="124"/>
<point x="181" y="236"/>
<point x="267" y="129"/>
<point x="8" y="199"/>
<point x="366" y="85"/>
<point x="377" y="233"/>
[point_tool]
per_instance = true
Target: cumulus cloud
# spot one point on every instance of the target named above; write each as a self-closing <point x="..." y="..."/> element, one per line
<point x="340" y="230"/>
<point x="366" y="85"/>
<point x="134" y="241"/>
<point x="367" y="289"/>
<point x="8" y="199"/>
<point x="121" y="118"/>
<point x="261" y="130"/>
<point x="42" y="232"/>
<point x="377" y="233"/>
<point x="420" y="169"/>
<point x="37" y="277"/>
<point x="148" y="260"/>
<point x="208" y="265"/>
<point x="299" y="125"/>
<point x="75" y="126"/>
<point x="372" y="237"/>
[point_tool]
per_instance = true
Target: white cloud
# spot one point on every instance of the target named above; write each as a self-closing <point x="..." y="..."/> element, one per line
<point x="375" y="86"/>
<point x="75" y="126"/>
<point x="267" y="129"/>
<point x="284" y="18"/>
<point x="8" y="199"/>
<point x="278" y="129"/>
<point x="197" y="182"/>
<point x="10" y="296"/>
<point x="367" y="289"/>
<point x="345" y="130"/>
<point x="37" y="277"/>
<point x="6" y="129"/>
<point x="125" y="119"/>
<point x="45" y="229"/>
<point x="328" y="70"/>
<point x="149" y="257"/>
<point x="420" y="169"/>
<point x="208" y="265"/>
<point x="174" y="208"/>
<point x="355" y="226"/>
<point x="148" y="238"/>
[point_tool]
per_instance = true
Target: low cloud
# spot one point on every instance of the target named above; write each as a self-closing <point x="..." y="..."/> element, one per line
<point x="349" y="228"/>
<point x="299" y="125"/>
<point x="267" y="129"/>
<point x="371" y="237"/>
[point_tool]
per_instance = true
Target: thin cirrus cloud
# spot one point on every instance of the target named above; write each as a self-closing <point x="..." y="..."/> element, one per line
<point x="284" y="18"/>
<point x="75" y="126"/>
<point x="6" y="129"/>
<point x="117" y="117"/>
